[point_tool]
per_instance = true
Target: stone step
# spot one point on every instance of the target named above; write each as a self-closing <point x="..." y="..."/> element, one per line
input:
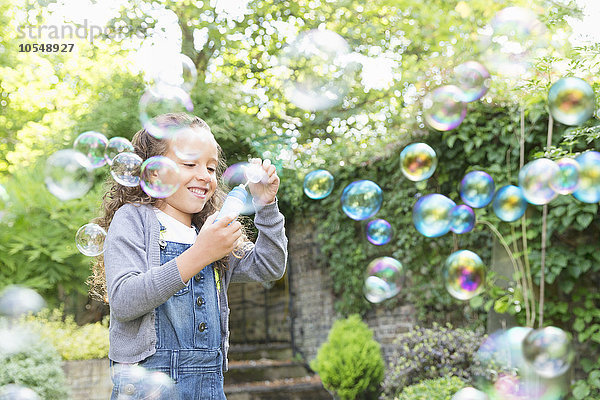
<point x="272" y="351"/>
<point x="303" y="388"/>
<point x="262" y="370"/>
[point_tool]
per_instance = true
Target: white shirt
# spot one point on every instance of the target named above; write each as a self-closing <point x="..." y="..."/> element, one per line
<point x="176" y="231"/>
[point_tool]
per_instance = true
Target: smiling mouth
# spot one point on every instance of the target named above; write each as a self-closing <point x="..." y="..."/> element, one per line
<point x="198" y="192"/>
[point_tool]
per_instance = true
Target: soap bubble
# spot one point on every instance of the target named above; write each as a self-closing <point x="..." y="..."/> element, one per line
<point x="16" y="392"/>
<point x="501" y="371"/>
<point x="126" y="169"/>
<point x="535" y="178"/>
<point x="318" y="184"/>
<point x="254" y="172"/>
<point x="464" y="274"/>
<point x="69" y="174"/>
<point x="431" y="215"/>
<point x="92" y="145"/>
<point x="549" y="351"/>
<point x="159" y="177"/>
<point x="115" y="146"/>
<point x="4" y="200"/>
<point x="90" y="240"/>
<point x="469" y="393"/>
<point x="588" y="190"/>
<point x="444" y="109"/>
<point x="187" y="143"/>
<point x="19" y="300"/>
<point x="462" y="219"/>
<point x="509" y="204"/>
<point x="235" y="175"/>
<point x="384" y="279"/>
<point x="571" y="101"/>
<point x="514" y="37"/>
<point x="477" y="189"/>
<point x="162" y="100"/>
<point x="379" y="232"/>
<point x="15" y="336"/>
<point x="566" y="179"/>
<point x="137" y="382"/>
<point x="472" y="79"/>
<point x="361" y="199"/>
<point x="418" y="161"/>
<point x="315" y="70"/>
<point x="172" y="70"/>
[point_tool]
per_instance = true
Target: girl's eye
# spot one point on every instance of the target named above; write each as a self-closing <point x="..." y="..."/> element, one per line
<point x="211" y="169"/>
<point x="191" y="165"/>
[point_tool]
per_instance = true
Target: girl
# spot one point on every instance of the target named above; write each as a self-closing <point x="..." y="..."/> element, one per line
<point x="167" y="264"/>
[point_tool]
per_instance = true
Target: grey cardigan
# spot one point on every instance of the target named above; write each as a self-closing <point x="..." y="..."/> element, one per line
<point x="137" y="283"/>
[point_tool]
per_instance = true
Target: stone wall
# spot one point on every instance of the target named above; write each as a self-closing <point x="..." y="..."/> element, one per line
<point x="313" y="299"/>
<point x="88" y="379"/>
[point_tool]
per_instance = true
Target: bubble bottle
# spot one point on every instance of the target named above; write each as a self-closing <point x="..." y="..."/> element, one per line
<point x="234" y="202"/>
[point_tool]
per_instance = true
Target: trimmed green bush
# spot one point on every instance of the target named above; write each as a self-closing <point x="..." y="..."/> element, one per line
<point x="350" y="362"/>
<point x="433" y="389"/>
<point x="73" y="342"/>
<point x="36" y="365"/>
<point x="429" y="353"/>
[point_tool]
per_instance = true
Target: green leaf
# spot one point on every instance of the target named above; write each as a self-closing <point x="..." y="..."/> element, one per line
<point x="581" y="390"/>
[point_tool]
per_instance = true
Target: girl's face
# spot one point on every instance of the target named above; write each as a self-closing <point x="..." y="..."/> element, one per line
<point x="197" y="178"/>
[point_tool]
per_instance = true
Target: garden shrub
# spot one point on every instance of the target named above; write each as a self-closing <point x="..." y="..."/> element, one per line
<point x="37" y="366"/>
<point x="350" y="362"/>
<point x="433" y="389"/>
<point x="429" y="353"/>
<point x="73" y="342"/>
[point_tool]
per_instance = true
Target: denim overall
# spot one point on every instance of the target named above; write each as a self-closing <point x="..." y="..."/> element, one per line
<point x="188" y="346"/>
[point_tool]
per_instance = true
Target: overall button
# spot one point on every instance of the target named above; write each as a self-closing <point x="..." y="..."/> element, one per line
<point x="199" y="301"/>
<point x="129" y="389"/>
<point x="197" y="278"/>
<point x="202" y="326"/>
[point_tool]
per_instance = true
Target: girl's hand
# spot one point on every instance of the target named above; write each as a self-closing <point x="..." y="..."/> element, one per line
<point x="217" y="239"/>
<point x="265" y="191"/>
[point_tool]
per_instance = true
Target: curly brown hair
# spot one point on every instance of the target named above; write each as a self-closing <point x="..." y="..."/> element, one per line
<point x="146" y="146"/>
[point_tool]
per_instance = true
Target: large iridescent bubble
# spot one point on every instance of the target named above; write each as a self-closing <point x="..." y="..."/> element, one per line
<point x="462" y="219"/>
<point x="362" y="199"/>
<point x="126" y="168"/>
<point x="472" y="79"/>
<point x="162" y="100"/>
<point x="159" y="177"/>
<point x="571" y="101"/>
<point x="501" y="371"/>
<point x="535" y="178"/>
<point x="315" y="70"/>
<point x="384" y="279"/>
<point x="443" y="109"/>
<point x="477" y="189"/>
<point x="464" y="274"/>
<point x="418" y="161"/>
<point x="115" y="146"/>
<point x="172" y="70"/>
<point x="512" y="40"/>
<point x="69" y="174"/>
<point x="89" y="240"/>
<point x="549" y="351"/>
<point x="431" y="215"/>
<point x="509" y="204"/>
<point x="92" y="145"/>
<point x="379" y="232"/>
<point x="318" y="184"/>
<point x="588" y="190"/>
<point x="566" y="179"/>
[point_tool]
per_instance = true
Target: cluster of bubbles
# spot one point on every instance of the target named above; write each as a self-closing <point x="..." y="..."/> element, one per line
<point x="522" y="363"/>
